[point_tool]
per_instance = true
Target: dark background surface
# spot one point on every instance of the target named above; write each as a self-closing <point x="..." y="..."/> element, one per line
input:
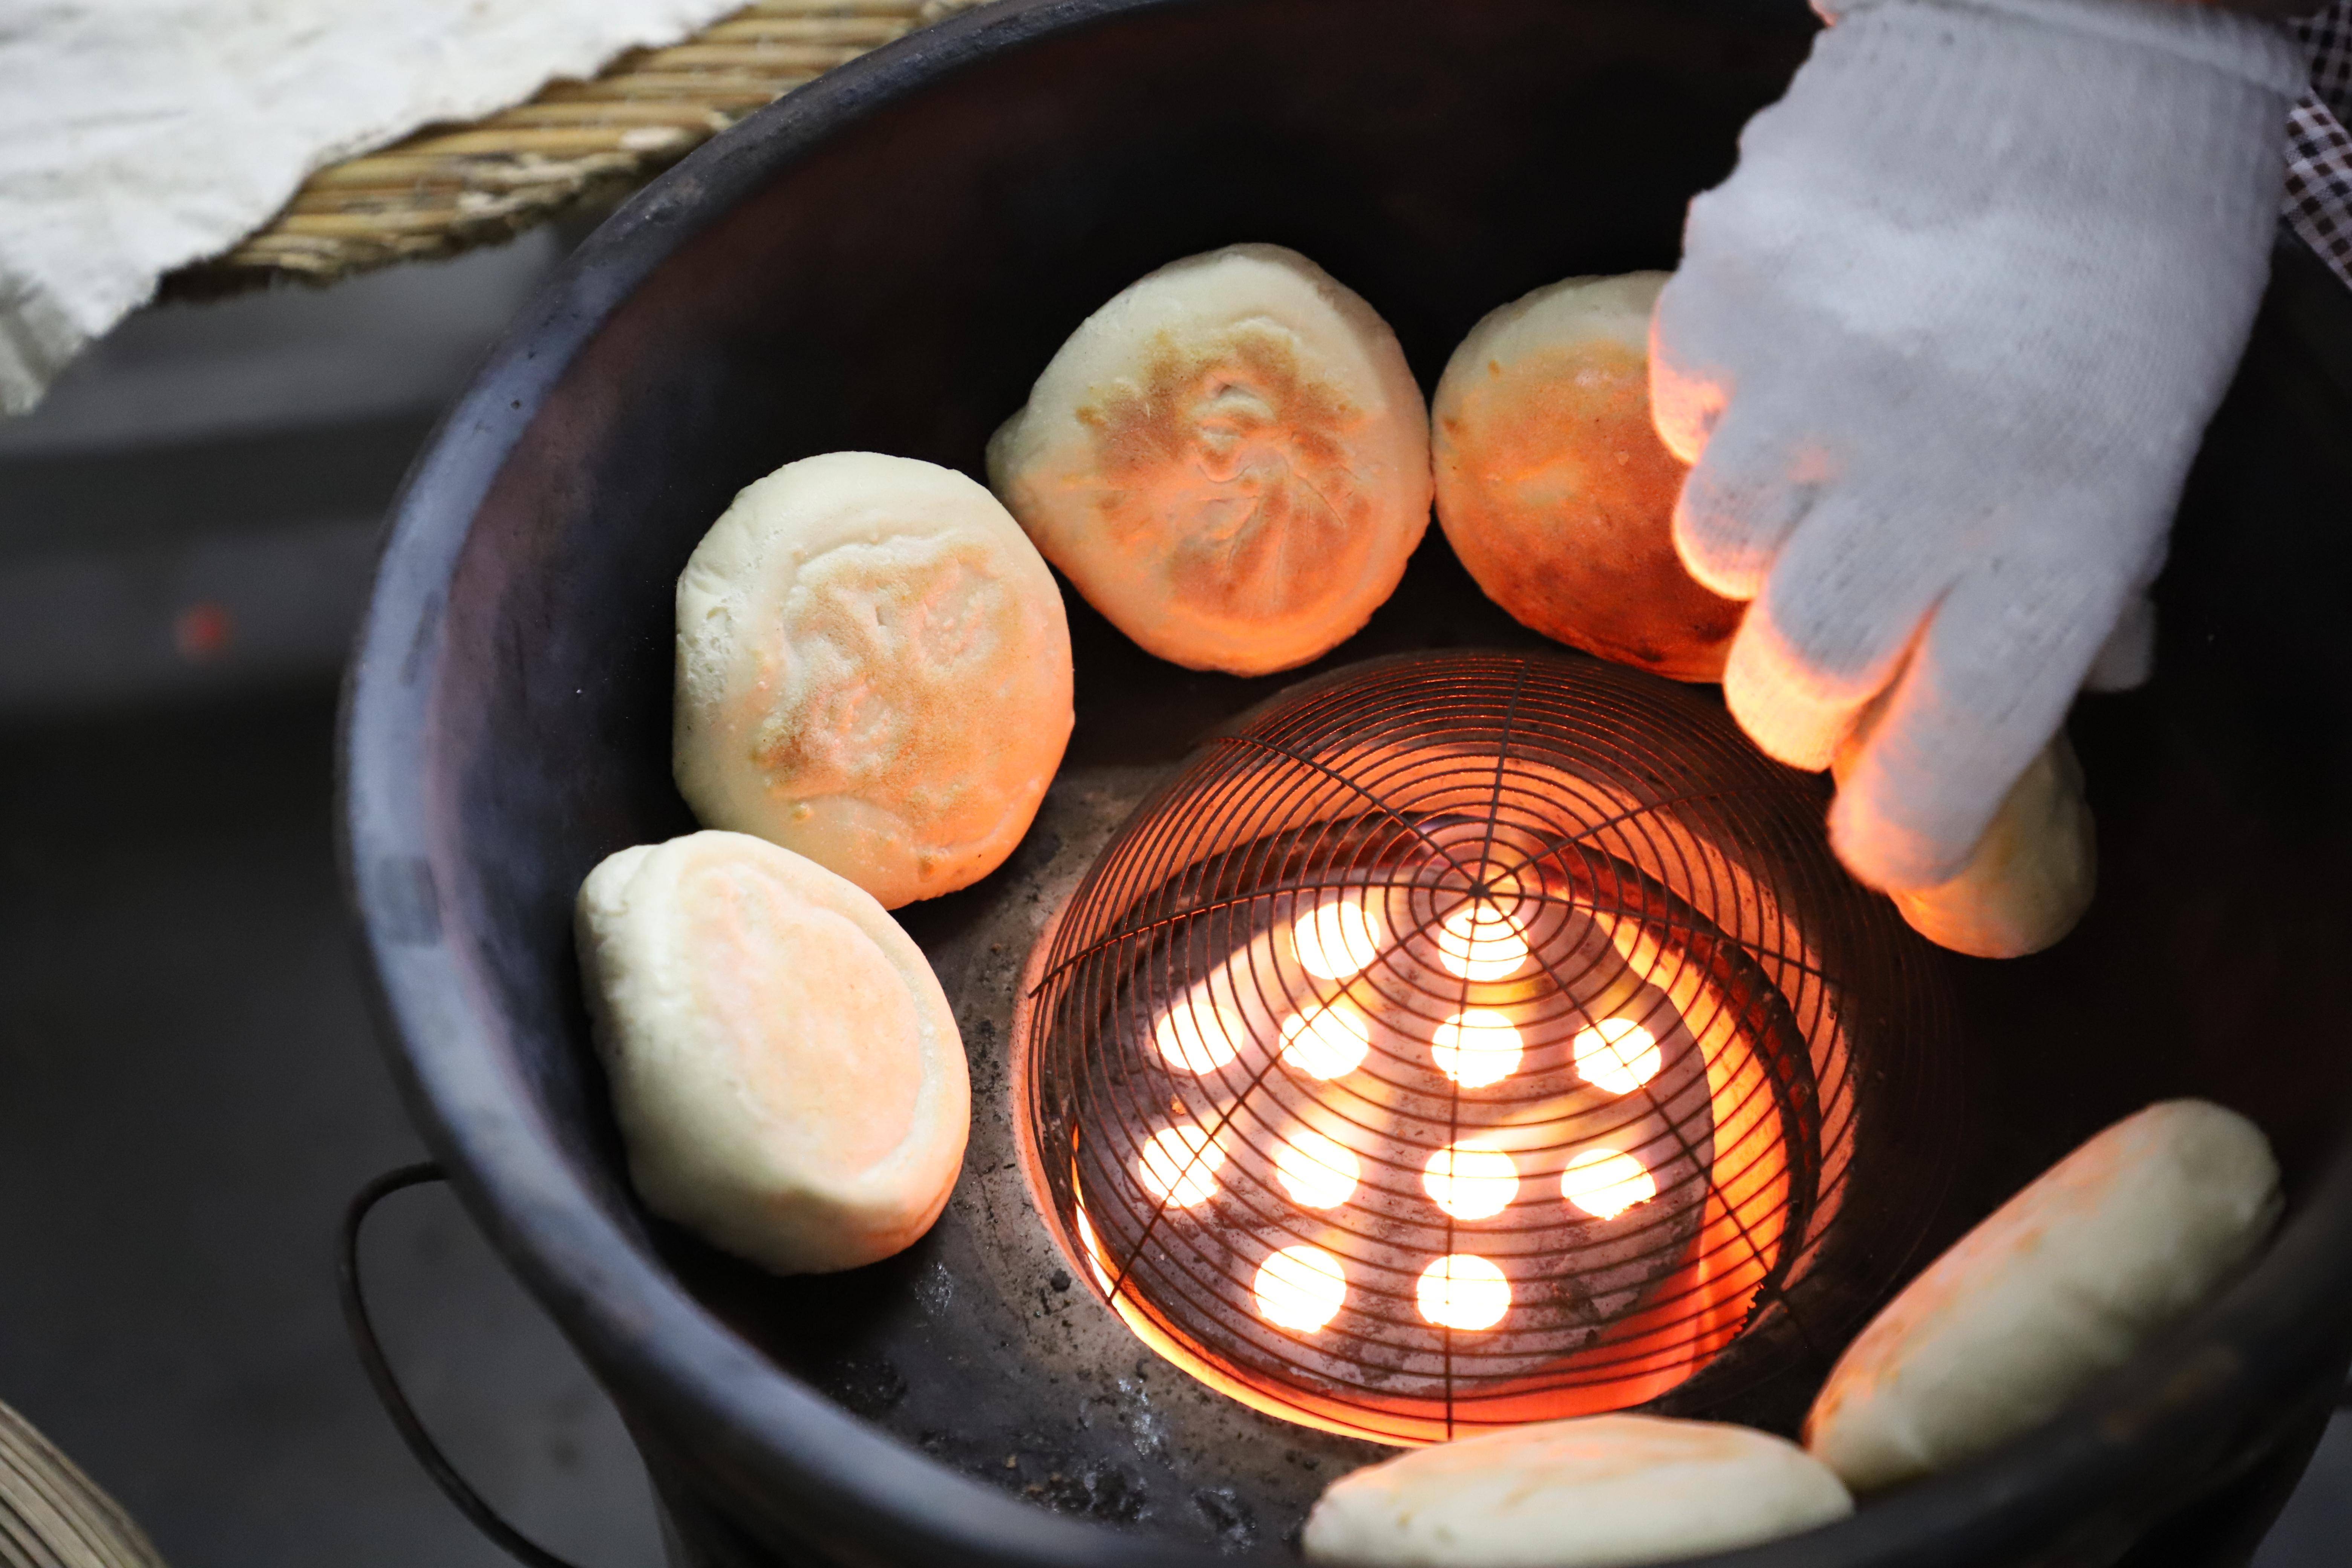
<point x="189" y="1090"/>
<point x="190" y="1084"/>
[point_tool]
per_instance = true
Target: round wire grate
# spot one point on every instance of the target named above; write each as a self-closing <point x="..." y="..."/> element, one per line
<point x="1468" y="1039"/>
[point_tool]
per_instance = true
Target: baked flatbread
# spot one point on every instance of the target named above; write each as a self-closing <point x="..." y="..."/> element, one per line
<point x="1230" y="460"/>
<point x="1603" y="1491"/>
<point x="1554" y="489"/>
<point x="2031" y="876"/>
<point x="2066" y="1282"/>
<point x="785" y="1069"/>
<point x="873" y="671"/>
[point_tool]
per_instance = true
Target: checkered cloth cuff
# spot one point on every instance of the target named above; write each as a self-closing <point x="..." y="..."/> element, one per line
<point x="2318" y="203"/>
<point x="2327" y="36"/>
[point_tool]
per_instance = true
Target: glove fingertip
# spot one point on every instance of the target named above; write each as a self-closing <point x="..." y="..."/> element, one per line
<point x="1790" y="720"/>
<point x="1739" y="505"/>
<point x="1717" y="560"/>
<point x="1881" y="853"/>
<point x="1684" y="408"/>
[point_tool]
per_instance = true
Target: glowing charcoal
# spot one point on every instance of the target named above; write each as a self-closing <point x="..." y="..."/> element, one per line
<point x="1332" y="1041"/>
<point x="1317" y="1172"/>
<point x="1094" y="1251"/>
<point x="1337" y="939"/>
<point x="1301" y="1287"/>
<point x="1476" y="1047"/>
<point x="1196" y="1035"/>
<point x="1604" y="1183"/>
<point x="1479" y="941"/>
<point x="1464" y="1291"/>
<point x="1470" y="1181"/>
<point x="1404" y="946"/>
<point x="1180" y="1165"/>
<point x="1617" y="1055"/>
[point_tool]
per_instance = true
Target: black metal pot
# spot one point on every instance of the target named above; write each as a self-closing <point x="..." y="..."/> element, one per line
<point x="884" y="260"/>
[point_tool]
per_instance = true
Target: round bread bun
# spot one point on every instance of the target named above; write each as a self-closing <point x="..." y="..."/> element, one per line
<point x="1602" y="1491"/>
<point x="1554" y="489"/>
<point x="2066" y="1282"/>
<point x="785" y="1069"/>
<point x="1230" y="460"/>
<point x="873" y="670"/>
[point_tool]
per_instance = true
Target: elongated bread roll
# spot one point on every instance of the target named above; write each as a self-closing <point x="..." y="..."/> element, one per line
<point x="873" y="670"/>
<point x="785" y="1069"/>
<point x="2065" y="1281"/>
<point x="1554" y="489"/>
<point x="1603" y="1491"/>
<point x="1230" y="460"/>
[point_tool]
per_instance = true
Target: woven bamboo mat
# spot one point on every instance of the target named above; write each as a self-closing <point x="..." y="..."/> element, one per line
<point x="53" y="1516"/>
<point x="450" y="188"/>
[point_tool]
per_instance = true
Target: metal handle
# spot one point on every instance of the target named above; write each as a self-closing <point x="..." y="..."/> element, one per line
<point x="444" y="1474"/>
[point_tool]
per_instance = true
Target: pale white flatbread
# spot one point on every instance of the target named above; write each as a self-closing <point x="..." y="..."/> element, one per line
<point x="1603" y="1491"/>
<point x="1230" y="460"/>
<point x="873" y="670"/>
<point x="785" y="1069"/>
<point x="2065" y="1281"/>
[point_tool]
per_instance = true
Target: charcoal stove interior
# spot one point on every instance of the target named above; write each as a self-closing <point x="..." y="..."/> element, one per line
<point x="1474" y="1038"/>
<point x="1891" y="1092"/>
<point x="859" y="269"/>
<point x="1091" y="1326"/>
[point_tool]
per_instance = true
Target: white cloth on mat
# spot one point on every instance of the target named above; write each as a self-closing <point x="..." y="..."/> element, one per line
<point x="139" y="135"/>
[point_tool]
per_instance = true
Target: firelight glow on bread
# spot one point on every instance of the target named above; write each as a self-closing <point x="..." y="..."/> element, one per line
<point x="1554" y="489"/>
<point x="2031" y="876"/>
<point x="1230" y="460"/>
<point x="873" y="670"/>
<point x="2065" y="1281"/>
<point x="1602" y="1491"/>
<point x="785" y="1069"/>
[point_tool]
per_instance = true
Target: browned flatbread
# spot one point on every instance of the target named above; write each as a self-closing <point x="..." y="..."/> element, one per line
<point x="1555" y="491"/>
<point x="1230" y="460"/>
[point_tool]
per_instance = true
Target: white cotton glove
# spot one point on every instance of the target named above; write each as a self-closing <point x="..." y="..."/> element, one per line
<point x="1942" y="349"/>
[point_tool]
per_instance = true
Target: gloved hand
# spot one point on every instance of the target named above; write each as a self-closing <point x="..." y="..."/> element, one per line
<point x="1942" y="349"/>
